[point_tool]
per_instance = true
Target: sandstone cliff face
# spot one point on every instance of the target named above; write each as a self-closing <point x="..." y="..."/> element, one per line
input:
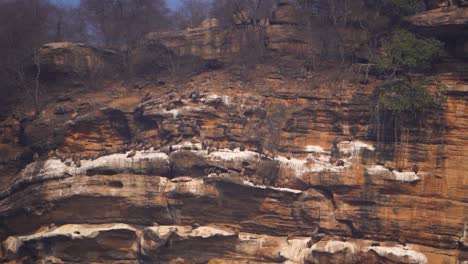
<point x="282" y="33"/>
<point x="449" y="23"/>
<point x="271" y="170"/>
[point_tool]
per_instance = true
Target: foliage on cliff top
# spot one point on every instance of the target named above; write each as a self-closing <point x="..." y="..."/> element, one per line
<point x="408" y="52"/>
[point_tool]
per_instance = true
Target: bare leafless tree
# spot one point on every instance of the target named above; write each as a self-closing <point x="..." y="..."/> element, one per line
<point x="232" y="12"/>
<point x="120" y="23"/>
<point x="191" y="13"/>
<point x="68" y="23"/>
<point x="24" y="28"/>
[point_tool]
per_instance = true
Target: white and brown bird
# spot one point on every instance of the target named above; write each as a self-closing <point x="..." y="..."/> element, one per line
<point x="242" y="147"/>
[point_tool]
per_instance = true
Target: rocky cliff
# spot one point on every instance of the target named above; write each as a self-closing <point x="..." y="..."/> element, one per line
<point x="282" y="33"/>
<point x="227" y="169"/>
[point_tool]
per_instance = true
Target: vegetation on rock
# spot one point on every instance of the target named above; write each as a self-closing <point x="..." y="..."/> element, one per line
<point x="410" y="53"/>
<point x="405" y="98"/>
<point x="412" y="97"/>
<point x="406" y="53"/>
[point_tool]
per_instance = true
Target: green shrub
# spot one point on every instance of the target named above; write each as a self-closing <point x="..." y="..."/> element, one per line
<point x="411" y="53"/>
<point x="405" y="96"/>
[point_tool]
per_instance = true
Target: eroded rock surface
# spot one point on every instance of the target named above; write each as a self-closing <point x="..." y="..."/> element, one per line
<point x="232" y="178"/>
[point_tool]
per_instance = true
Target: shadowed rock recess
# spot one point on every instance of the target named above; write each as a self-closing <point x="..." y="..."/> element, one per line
<point x="219" y="169"/>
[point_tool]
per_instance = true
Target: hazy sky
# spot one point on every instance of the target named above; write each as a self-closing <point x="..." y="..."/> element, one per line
<point x="171" y="3"/>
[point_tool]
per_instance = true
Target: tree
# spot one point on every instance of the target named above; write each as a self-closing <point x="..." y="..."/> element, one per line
<point x="24" y="28"/>
<point x="405" y="50"/>
<point x="401" y="101"/>
<point x="68" y="23"/>
<point x="232" y="12"/>
<point x="122" y="23"/>
<point x="403" y="95"/>
<point x="191" y="13"/>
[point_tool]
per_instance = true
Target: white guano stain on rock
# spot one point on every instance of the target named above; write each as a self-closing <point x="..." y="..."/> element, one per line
<point x="400" y="254"/>
<point x="236" y="154"/>
<point x="54" y="168"/>
<point x="312" y="164"/>
<point x="177" y="111"/>
<point x="295" y="250"/>
<point x="292" y="250"/>
<point x="406" y="176"/>
<point x="211" y="98"/>
<point x="334" y="246"/>
<point x="386" y="174"/>
<point x="187" y="145"/>
<point x="319" y="160"/>
<point x="353" y="148"/>
<point x="314" y="149"/>
<point x="72" y="231"/>
<point x="251" y="184"/>
<point x="187" y="232"/>
<point x="208" y="231"/>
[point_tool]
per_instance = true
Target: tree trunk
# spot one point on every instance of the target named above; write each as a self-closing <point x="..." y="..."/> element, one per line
<point x="37" y="64"/>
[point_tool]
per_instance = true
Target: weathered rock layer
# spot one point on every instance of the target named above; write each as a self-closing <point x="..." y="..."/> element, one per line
<point x="233" y="177"/>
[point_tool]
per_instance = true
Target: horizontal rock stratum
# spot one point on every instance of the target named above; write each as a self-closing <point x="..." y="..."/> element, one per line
<point x="182" y="177"/>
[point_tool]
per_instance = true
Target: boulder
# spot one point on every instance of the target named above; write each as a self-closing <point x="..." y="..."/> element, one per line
<point x="68" y="62"/>
<point x="286" y="13"/>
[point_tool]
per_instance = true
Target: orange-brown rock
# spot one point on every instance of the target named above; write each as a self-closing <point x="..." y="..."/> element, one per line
<point x="441" y="17"/>
<point x="288" y="171"/>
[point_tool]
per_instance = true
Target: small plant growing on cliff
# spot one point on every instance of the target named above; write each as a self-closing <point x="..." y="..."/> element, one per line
<point x="402" y="96"/>
<point x="408" y="52"/>
<point x="402" y="103"/>
<point x="404" y="106"/>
